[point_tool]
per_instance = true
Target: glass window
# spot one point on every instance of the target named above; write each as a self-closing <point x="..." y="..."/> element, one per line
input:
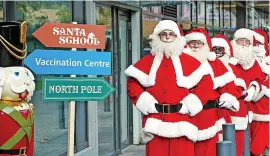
<point x="233" y="16"/>
<point x="51" y="119"/>
<point x="1" y="11"/>
<point x="221" y="8"/>
<point x="227" y="15"/>
<point x="156" y="9"/>
<point x="149" y="23"/>
<point x="185" y="15"/>
<point x="105" y="107"/>
<point x="193" y="13"/>
<point x="201" y="12"/>
<point x="216" y="13"/>
<point x="209" y="13"/>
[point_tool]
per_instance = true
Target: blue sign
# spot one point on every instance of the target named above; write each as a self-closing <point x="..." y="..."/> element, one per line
<point x="69" y="62"/>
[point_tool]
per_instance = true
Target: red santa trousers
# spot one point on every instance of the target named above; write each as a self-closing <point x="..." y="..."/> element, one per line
<point x="160" y="146"/>
<point x="259" y="137"/>
<point x="206" y="147"/>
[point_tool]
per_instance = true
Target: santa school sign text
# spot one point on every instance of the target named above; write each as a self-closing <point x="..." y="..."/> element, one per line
<point x="72" y="35"/>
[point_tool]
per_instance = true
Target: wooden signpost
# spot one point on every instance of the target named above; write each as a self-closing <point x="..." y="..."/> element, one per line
<point x="65" y="35"/>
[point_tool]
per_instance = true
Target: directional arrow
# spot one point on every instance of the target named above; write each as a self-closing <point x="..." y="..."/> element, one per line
<point x="72" y="35"/>
<point x="75" y="89"/>
<point x="66" y="62"/>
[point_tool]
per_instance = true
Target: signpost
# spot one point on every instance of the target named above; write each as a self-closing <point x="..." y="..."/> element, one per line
<point x="67" y="35"/>
<point x="75" y="89"/>
<point x="69" y="62"/>
<point x="65" y="62"/>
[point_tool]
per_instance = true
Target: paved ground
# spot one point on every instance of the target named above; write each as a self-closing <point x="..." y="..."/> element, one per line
<point x="134" y="150"/>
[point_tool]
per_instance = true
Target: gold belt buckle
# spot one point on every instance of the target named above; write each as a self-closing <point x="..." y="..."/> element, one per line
<point x="22" y="151"/>
<point x="168" y="106"/>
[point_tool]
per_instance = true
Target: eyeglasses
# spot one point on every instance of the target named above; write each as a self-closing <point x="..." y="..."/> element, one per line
<point x="195" y="43"/>
<point x="167" y="34"/>
<point x="243" y="42"/>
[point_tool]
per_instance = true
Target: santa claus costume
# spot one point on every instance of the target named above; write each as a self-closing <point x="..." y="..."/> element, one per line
<point x="239" y="118"/>
<point x="223" y="95"/>
<point x="244" y="60"/>
<point x="259" y="128"/>
<point x="169" y="88"/>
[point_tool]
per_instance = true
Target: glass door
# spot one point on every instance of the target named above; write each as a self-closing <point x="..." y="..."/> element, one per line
<point x="124" y="26"/>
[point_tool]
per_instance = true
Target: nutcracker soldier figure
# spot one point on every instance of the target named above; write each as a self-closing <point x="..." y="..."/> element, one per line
<point x="16" y="88"/>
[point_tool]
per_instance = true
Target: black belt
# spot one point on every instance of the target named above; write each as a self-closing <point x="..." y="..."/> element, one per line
<point x="167" y="108"/>
<point x="211" y="104"/>
<point x="21" y="151"/>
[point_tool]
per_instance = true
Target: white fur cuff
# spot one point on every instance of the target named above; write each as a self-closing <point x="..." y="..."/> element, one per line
<point x="146" y="103"/>
<point x="241" y="83"/>
<point x="193" y="104"/>
<point x="267" y="93"/>
<point x="232" y="99"/>
<point x="139" y="75"/>
<point x="233" y="61"/>
<point x="257" y="88"/>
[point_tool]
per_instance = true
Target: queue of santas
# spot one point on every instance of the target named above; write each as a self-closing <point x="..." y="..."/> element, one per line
<point x="189" y="85"/>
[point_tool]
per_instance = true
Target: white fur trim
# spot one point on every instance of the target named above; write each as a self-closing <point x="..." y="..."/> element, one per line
<point x="2" y="79"/>
<point x="257" y="88"/>
<point x="240" y="122"/>
<point x="233" y="61"/>
<point x="258" y="37"/>
<point x="146" y="103"/>
<point x="220" y="42"/>
<point x="196" y="36"/>
<point x="211" y="131"/>
<point x="211" y="56"/>
<point x="224" y="79"/>
<point x="267" y="92"/>
<point x="241" y="83"/>
<point x="267" y="59"/>
<point x="244" y="33"/>
<point x="250" y="116"/>
<point x="171" y="129"/>
<point x="139" y="75"/>
<point x="261" y="117"/>
<point x="167" y="25"/>
<point x="193" y="104"/>
<point x="259" y="51"/>
<point x="194" y="78"/>
<point x="232" y="99"/>
<point x="261" y="94"/>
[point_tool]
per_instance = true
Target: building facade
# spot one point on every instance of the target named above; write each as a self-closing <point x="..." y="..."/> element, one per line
<point x="106" y="127"/>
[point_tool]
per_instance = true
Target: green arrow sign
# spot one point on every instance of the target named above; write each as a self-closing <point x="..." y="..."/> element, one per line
<point x="75" y="89"/>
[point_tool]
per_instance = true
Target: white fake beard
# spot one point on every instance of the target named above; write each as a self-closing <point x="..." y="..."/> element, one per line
<point x="259" y="51"/>
<point x="200" y="53"/>
<point x="169" y="49"/>
<point x="244" y="54"/>
<point x="225" y="59"/>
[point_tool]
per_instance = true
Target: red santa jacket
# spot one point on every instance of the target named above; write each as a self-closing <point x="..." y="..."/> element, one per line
<point x="209" y="121"/>
<point x="254" y="76"/>
<point x="179" y="79"/>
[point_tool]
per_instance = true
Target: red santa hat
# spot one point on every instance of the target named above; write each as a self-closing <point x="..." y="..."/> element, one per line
<point x="222" y="41"/>
<point x="201" y="35"/>
<point x="167" y="25"/>
<point x="262" y="37"/>
<point x="244" y="33"/>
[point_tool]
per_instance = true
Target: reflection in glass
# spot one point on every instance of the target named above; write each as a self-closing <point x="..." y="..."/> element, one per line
<point x="209" y="13"/>
<point x="233" y="16"/>
<point x="105" y="107"/>
<point x="185" y="15"/>
<point x="51" y="118"/>
<point x="149" y="23"/>
<point x="201" y="12"/>
<point x="216" y="13"/>
<point x="1" y="11"/>
<point x="227" y="13"/>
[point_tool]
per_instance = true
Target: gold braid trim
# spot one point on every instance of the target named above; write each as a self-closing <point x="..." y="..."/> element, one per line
<point x="11" y="103"/>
